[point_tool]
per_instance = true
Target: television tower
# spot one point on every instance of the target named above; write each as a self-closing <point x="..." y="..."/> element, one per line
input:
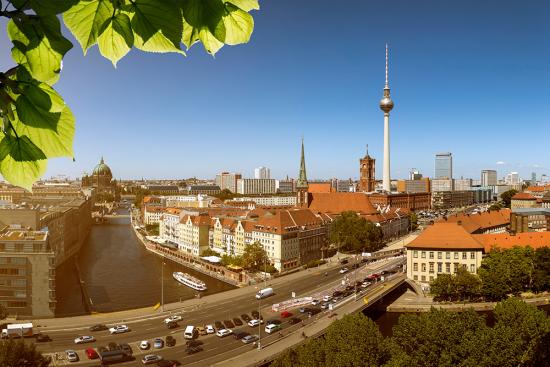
<point x="386" y="105"/>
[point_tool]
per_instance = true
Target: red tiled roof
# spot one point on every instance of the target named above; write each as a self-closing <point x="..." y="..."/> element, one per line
<point x="538" y="188"/>
<point x="287" y="220"/>
<point x="506" y="241"/>
<point x="445" y="235"/>
<point x="320" y="187"/>
<point x="476" y="222"/>
<point x="523" y="196"/>
<point x="337" y="202"/>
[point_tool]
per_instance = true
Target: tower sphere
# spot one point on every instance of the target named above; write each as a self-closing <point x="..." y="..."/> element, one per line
<point x="386" y="104"/>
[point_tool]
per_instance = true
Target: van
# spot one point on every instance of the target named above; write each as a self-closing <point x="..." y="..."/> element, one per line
<point x="263" y="293"/>
<point x="113" y="356"/>
<point x="272" y="328"/>
<point x="189" y="332"/>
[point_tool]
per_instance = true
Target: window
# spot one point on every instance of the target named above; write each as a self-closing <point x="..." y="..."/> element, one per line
<point x="456" y="255"/>
<point x="472" y="268"/>
<point x="423" y="255"/>
<point x="431" y="267"/>
<point x="431" y="254"/>
<point x="415" y="277"/>
<point x="415" y="266"/>
<point x="447" y="267"/>
<point x="472" y="255"/>
<point x="415" y="253"/>
<point x="431" y="278"/>
<point x="464" y="255"/>
<point x="439" y="255"/>
<point x="456" y="267"/>
<point x="423" y="267"/>
<point x="448" y="255"/>
<point x="423" y="278"/>
<point x="439" y="267"/>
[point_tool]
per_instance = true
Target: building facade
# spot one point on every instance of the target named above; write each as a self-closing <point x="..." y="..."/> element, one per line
<point x="269" y="200"/>
<point x="421" y="185"/>
<point x="228" y="181"/>
<point x="367" y="178"/>
<point x="489" y="177"/>
<point x="442" y="184"/>
<point x="443" y="166"/>
<point x="253" y="186"/>
<point x="262" y="173"/>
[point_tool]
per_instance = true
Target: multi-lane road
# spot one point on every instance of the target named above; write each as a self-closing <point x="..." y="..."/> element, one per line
<point x="215" y="349"/>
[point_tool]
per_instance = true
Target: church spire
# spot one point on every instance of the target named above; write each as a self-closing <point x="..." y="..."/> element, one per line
<point x="302" y="177"/>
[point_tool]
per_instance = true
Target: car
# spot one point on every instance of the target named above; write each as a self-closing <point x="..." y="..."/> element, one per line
<point x="255" y="314"/>
<point x="274" y="322"/>
<point x="314" y="311"/>
<point x="303" y="309"/>
<point x="228" y="324"/>
<point x="254" y="322"/>
<point x="250" y="339"/>
<point x="172" y="325"/>
<point x="245" y="317"/>
<point x="151" y="358"/>
<point x="98" y="327"/>
<point x="126" y="348"/>
<point x="173" y="318"/>
<point x="240" y="334"/>
<point x="327" y="298"/>
<point x="210" y="329"/>
<point x="355" y="266"/>
<point x="167" y="363"/>
<point x="224" y="332"/>
<point x="271" y="328"/>
<point x="349" y="288"/>
<point x="71" y="355"/>
<point x="237" y="321"/>
<point x="113" y="346"/>
<point x="201" y="330"/>
<point x="193" y="343"/>
<point x="118" y="329"/>
<point x="170" y="341"/>
<point x="91" y="353"/>
<point x="144" y="345"/>
<point x="336" y="294"/>
<point x="315" y="302"/>
<point x="365" y="284"/>
<point x="158" y="343"/>
<point x="343" y="270"/>
<point x="324" y="305"/>
<point x="102" y="349"/>
<point x="285" y="314"/>
<point x="41" y="338"/>
<point x="84" y="339"/>
<point x="218" y="325"/>
<point x="193" y="350"/>
<point x="344" y="261"/>
<point x="294" y="320"/>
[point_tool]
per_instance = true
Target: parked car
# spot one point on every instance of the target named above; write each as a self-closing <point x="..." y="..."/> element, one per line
<point x="255" y="314"/>
<point x="102" y="349"/>
<point x="41" y="338"/>
<point x="98" y="327"/>
<point x="218" y="325"/>
<point x="113" y="346"/>
<point x="158" y="343"/>
<point x="294" y="320"/>
<point x="254" y="322"/>
<point x="271" y="328"/>
<point x="314" y="311"/>
<point x="91" y="353"/>
<point x="224" y="332"/>
<point x="228" y="324"/>
<point x="274" y="322"/>
<point x="171" y="318"/>
<point x="71" y="356"/>
<point x="240" y="334"/>
<point x="84" y="339"/>
<point x="151" y="358"/>
<point x="118" y="329"/>
<point x="245" y="317"/>
<point x="126" y="348"/>
<point x="193" y="343"/>
<point x="237" y="321"/>
<point x="210" y="329"/>
<point x="170" y="341"/>
<point x="172" y="325"/>
<point x="144" y="345"/>
<point x="201" y="330"/>
<point x="193" y="350"/>
<point x="250" y="339"/>
<point x="285" y="314"/>
<point x="315" y="302"/>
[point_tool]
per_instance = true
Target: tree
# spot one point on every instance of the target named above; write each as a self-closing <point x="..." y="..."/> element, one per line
<point x="353" y="233"/>
<point x="3" y="312"/>
<point x="226" y="194"/>
<point x="506" y="197"/>
<point x="541" y="272"/>
<point x="36" y="123"/>
<point x="413" y="220"/>
<point x="495" y="206"/>
<point x="458" y="287"/>
<point x="20" y="354"/>
<point x="254" y="257"/>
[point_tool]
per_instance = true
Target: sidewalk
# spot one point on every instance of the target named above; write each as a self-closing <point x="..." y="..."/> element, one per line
<point x="134" y="315"/>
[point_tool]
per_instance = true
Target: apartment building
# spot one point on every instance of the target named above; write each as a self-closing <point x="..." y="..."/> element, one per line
<point x="253" y="186"/>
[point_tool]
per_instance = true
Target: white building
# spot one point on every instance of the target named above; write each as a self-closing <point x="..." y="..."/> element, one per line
<point x="253" y="186"/>
<point x="442" y="184"/>
<point x="270" y="200"/>
<point x="463" y="184"/>
<point x="512" y="178"/>
<point x="262" y="172"/>
<point x="488" y="177"/>
<point x="196" y="201"/>
<point x="226" y="180"/>
<point x="152" y="214"/>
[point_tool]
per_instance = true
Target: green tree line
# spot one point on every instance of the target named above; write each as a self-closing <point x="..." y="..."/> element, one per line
<point x="351" y="232"/>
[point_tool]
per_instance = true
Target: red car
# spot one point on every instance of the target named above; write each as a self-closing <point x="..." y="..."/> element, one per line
<point x="285" y="314"/>
<point x="91" y="353"/>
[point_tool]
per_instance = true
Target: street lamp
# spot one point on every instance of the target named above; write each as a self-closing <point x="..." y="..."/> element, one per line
<point x="162" y="286"/>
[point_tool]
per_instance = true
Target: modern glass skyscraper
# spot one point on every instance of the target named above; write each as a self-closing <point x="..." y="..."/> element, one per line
<point x="443" y="165"/>
<point x="488" y="177"/>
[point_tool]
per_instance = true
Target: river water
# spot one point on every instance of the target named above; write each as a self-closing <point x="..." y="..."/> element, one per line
<point x="121" y="274"/>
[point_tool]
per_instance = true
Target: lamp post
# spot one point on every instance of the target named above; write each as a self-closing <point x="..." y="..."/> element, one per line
<point x="162" y="286"/>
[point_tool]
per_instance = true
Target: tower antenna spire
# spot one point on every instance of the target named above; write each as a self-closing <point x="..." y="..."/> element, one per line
<point x="387" y="84"/>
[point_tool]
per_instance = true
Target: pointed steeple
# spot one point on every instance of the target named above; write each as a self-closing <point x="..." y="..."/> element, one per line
<point x="101" y="161"/>
<point x="302" y="177"/>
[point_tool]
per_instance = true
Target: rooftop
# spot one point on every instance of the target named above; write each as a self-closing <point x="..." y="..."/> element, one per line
<point x="445" y="235"/>
<point x="22" y="235"/>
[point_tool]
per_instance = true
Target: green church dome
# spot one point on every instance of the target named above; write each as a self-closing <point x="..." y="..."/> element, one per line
<point x="102" y="169"/>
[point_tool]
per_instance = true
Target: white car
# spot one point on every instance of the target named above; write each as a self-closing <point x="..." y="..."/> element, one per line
<point x="118" y="329"/>
<point x="84" y="339"/>
<point x="315" y="302"/>
<point x="343" y="270"/>
<point x="210" y="329"/>
<point x="224" y="332"/>
<point x="71" y="356"/>
<point x="327" y="298"/>
<point x="254" y="322"/>
<point x="151" y="358"/>
<point x="144" y="345"/>
<point x="173" y="318"/>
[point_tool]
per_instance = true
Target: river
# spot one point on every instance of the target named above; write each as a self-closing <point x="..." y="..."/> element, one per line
<point x="121" y="274"/>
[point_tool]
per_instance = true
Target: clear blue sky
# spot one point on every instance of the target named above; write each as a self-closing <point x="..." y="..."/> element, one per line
<point x="470" y="77"/>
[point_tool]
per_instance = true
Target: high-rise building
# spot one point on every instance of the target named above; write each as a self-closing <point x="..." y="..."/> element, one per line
<point x="463" y="184"/>
<point x="443" y="165"/>
<point x="512" y="178"/>
<point x="442" y="184"/>
<point x="386" y="105"/>
<point x="256" y="186"/>
<point x="226" y="180"/>
<point x="262" y="172"/>
<point x="366" y="173"/>
<point x="488" y="177"/>
<point x="533" y="178"/>
<point x="415" y="175"/>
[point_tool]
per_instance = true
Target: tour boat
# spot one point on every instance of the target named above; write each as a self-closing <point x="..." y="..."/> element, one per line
<point x="189" y="281"/>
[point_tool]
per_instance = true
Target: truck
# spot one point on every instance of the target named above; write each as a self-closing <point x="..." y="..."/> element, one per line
<point x="263" y="293"/>
<point x="17" y="331"/>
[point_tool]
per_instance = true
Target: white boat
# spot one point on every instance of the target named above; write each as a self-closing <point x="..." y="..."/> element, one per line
<point x="189" y="281"/>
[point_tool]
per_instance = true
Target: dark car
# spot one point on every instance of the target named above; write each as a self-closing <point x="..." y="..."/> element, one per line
<point x="98" y="327"/>
<point x="193" y="343"/>
<point x="170" y="341"/>
<point x="237" y="321"/>
<point x="113" y="346"/>
<point x="245" y="317"/>
<point x="172" y="324"/>
<point x="167" y="363"/>
<point x="344" y="261"/>
<point x="274" y="322"/>
<point x="240" y="334"/>
<point x="228" y="324"/>
<point x="102" y="349"/>
<point x="126" y="348"/>
<point x="255" y="314"/>
<point x="336" y="293"/>
<point x="294" y="320"/>
<point x="314" y="311"/>
<point x="41" y="338"/>
<point x="193" y="350"/>
<point x="304" y="309"/>
<point x="355" y="266"/>
<point x="218" y="325"/>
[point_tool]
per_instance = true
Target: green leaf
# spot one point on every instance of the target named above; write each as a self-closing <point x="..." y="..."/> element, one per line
<point x="237" y="26"/>
<point x="201" y="18"/>
<point x="39" y="45"/>
<point x="86" y="20"/>
<point x="210" y="43"/>
<point x="21" y="161"/>
<point x="42" y="7"/>
<point x="245" y="5"/>
<point x="117" y="39"/>
<point x="157" y="25"/>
